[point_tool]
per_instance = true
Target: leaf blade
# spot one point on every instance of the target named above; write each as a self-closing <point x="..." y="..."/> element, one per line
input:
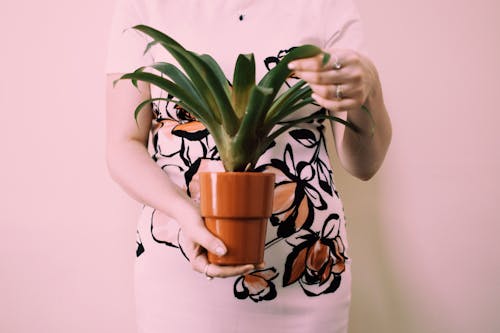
<point x="243" y="82"/>
<point x="191" y="105"/>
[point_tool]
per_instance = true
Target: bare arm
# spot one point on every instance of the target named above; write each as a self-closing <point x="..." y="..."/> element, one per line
<point x="360" y="153"/>
<point x="133" y="169"/>
<point x="127" y="156"/>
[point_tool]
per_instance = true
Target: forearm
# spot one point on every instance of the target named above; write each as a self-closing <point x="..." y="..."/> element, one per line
<point x="362" y="153"/>
<point x="343" y="86"/>
<point x="133" y="169"/>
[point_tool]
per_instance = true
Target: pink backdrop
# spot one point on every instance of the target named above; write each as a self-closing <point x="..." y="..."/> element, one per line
<point x="423" y="232"/>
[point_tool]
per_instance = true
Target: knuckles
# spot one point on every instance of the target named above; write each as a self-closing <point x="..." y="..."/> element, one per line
<point x="357" y="75"/>
<point x="316" y="77"/>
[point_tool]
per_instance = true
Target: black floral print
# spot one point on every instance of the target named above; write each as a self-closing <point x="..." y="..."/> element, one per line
<point x="295" y="198"/>
<point x="257" y="285"/>
<point x="139" y="246"/>
<point x="306" y="226"/>
<point x="317" y="262"/>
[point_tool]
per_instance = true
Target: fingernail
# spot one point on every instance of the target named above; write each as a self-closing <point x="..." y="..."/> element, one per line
<point x="220" y="251"/>
<point x="291" y="65"/>
<point x="250" y="269"/>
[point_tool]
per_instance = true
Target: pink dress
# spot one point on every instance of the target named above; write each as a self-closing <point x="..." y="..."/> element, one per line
<point x="305" y="286"/>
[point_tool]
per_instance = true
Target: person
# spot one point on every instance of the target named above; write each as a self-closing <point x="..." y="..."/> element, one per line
<point x="304" y="284"/>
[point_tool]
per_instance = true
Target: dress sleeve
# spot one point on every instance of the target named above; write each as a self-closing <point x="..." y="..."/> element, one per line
<point x="343" y="25"/>
<point x="126" y="46"/>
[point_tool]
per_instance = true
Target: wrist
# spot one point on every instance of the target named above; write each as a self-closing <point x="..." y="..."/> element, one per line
<point x="364" y="117"/>
<point x="181" y="208"/>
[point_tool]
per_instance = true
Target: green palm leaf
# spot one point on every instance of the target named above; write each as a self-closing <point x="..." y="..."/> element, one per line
<point x="189" y="102"/>
<point x="285" y="100"/>
<point x="229" y="120"/>
<point x="243" y="82"/>
<point x="203" y="75"/>
<point x="241" y="119"/>
<point x="191" y="65"/>
<point x="178" y="77"/>
<point x="146" y="102"/>
<point x="218" y="72"/>
<point x="289" y="124"/>
<point x="277" y="76"/>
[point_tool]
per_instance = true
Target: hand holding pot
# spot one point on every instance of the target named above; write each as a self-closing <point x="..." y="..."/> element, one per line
<point x="196" y="240"/>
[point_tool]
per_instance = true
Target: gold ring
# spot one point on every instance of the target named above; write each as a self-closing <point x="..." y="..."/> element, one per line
<point x="338" y="92"/>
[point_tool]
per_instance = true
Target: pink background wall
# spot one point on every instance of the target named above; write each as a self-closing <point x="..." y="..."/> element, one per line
<point x="423" y="232"/>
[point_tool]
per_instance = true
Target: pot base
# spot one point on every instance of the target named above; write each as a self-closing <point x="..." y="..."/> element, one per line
<point x="236" y="207"/>
<point x="240" y="237"/>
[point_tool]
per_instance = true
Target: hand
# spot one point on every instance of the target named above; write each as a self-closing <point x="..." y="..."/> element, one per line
<point x="195" y="240"/>
<point x="343" y="84"/>
<point x="346" y="83"/>
<point x="197" y="255"/>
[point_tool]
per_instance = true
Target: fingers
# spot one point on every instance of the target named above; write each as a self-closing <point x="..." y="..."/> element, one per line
<point x="341" y="85"/>
<point x="262" y="265"/>
<point x="330" y="76"/>
<point x="200" y="264"/>
<point x="199" y="234"/>
<point x="195" y="240"/>
<point x="336" y="105"/>
<point x="342" y="57"/>
<point x="348" y="90"/>
<point x="227" y="271"/>
<point x="348" y="97"/>
<point x="198" y="257"/>
<point x="308" y="64"/>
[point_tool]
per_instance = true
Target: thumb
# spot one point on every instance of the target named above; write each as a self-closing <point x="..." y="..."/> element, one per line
<point x="207" y="240"/>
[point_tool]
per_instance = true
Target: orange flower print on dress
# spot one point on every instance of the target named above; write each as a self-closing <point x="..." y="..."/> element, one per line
<point x="295" y="197"/>
<point x="317" y="262"/>
<point x="189" y="129"/>
<point x="188" y="145"/>
<point x="257" y="286"/>
<point x="188" y="126"/>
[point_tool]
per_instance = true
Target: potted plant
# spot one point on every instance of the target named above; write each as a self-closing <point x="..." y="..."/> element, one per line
<point x="244" y="119"/>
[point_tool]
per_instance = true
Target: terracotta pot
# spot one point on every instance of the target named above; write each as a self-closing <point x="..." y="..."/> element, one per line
<point x="236" y="207"/>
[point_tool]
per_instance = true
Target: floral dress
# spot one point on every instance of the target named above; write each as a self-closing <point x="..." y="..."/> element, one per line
<point x="305" y="285"/>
